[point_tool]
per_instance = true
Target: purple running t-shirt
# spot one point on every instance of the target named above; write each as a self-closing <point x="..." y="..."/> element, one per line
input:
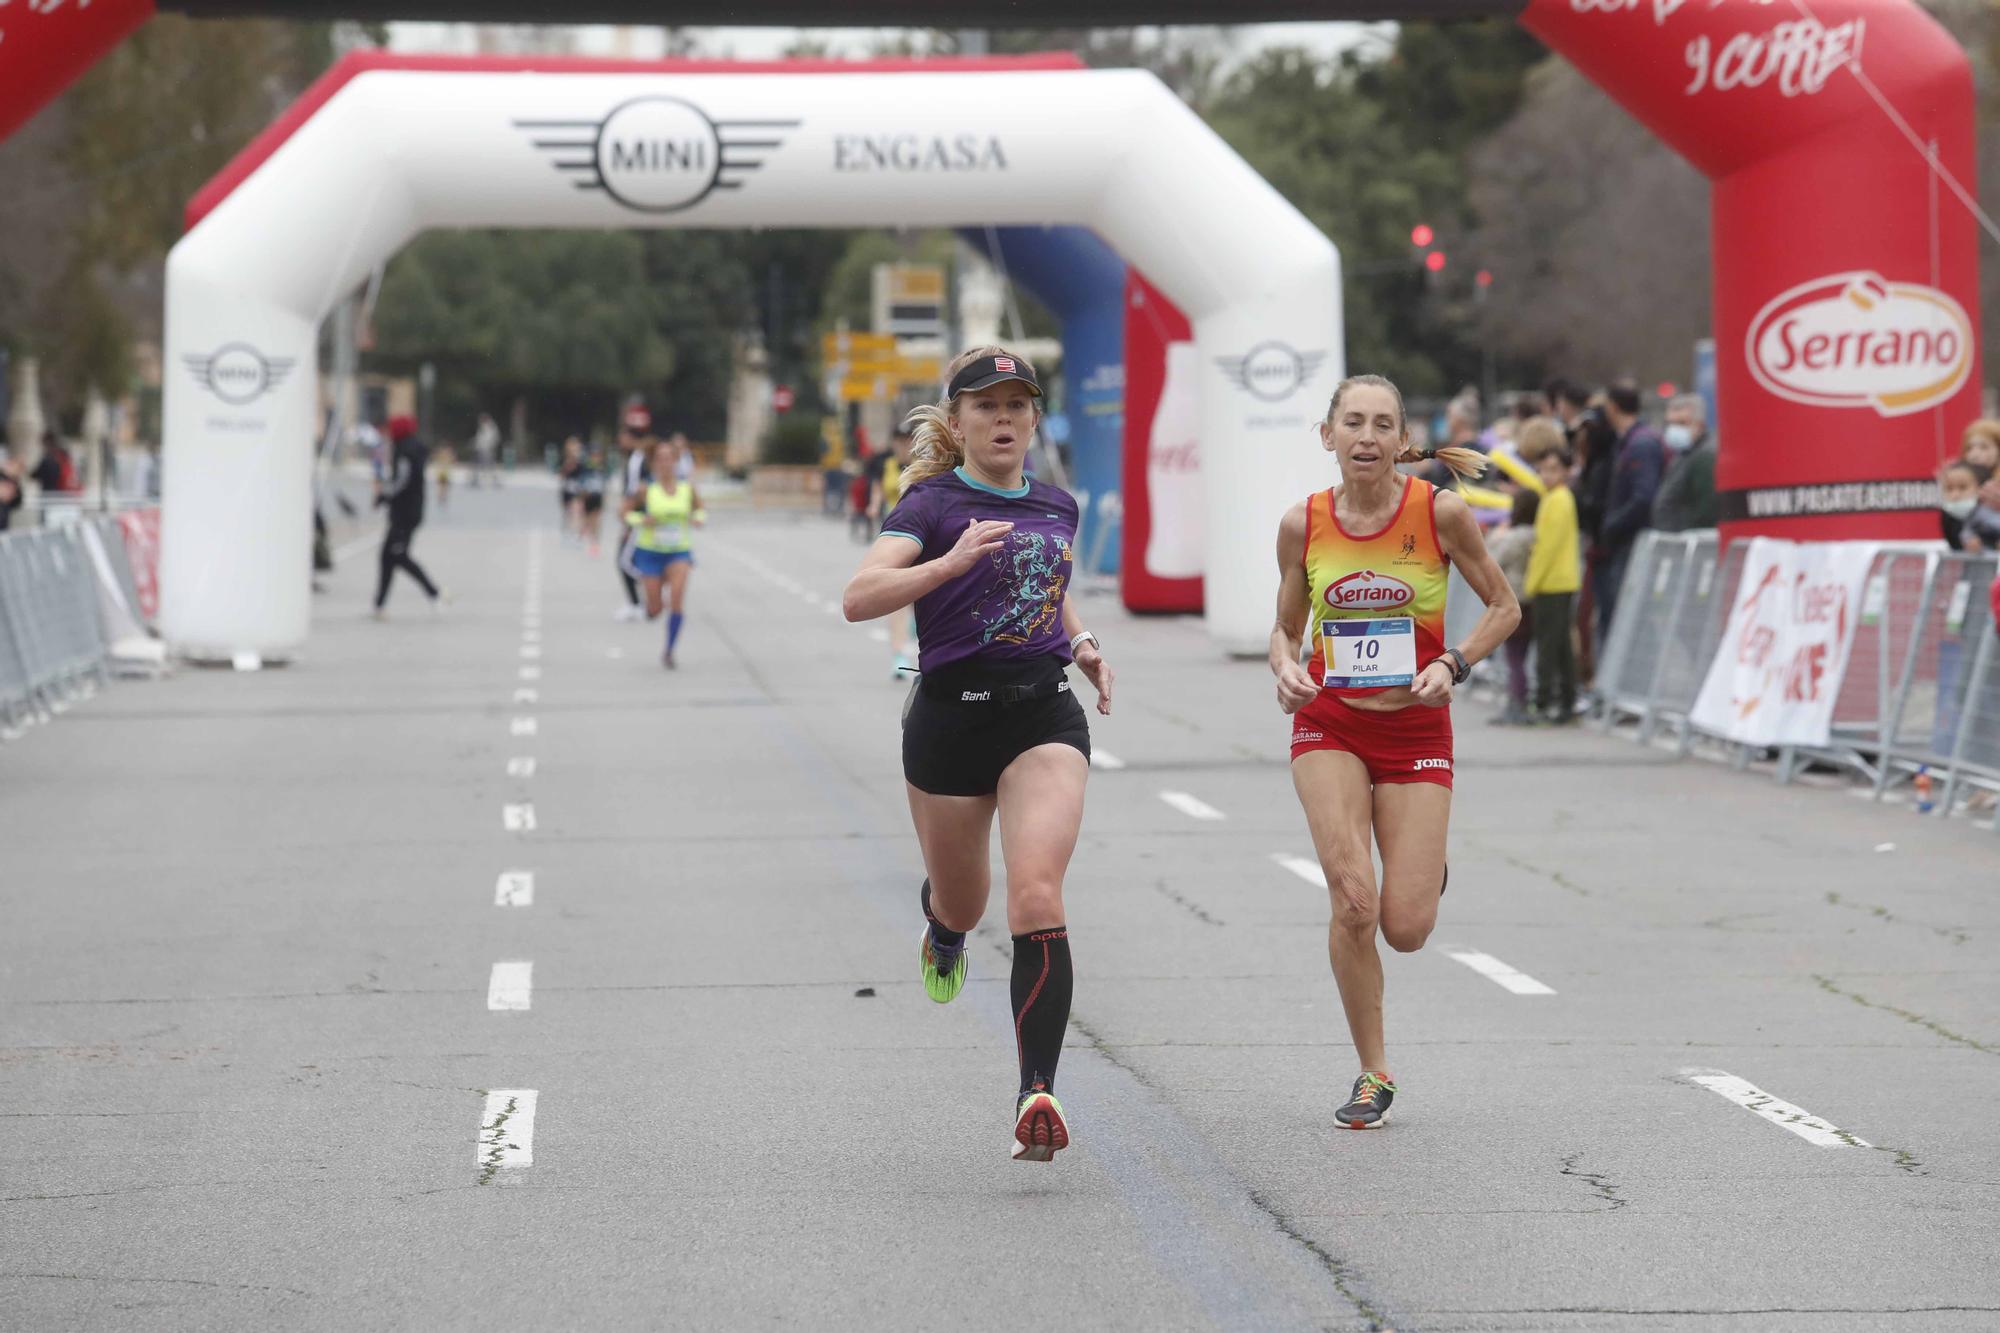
<point x="1009" y="605"/>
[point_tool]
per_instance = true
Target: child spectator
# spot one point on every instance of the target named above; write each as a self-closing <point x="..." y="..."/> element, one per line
<point x="1554" y="574"/>
<point x="1967" y="524"/>
<point x="1512" y="545"/>
<point x="1980" y="447"/>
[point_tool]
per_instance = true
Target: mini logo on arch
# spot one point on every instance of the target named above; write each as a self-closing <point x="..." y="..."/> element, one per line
<point x="1272" y="371"/>
<point x="657" y="154"/>
<point x="1368" y="590"/>
<point x="238" y="373"/>
<point x="1858" y="340"/>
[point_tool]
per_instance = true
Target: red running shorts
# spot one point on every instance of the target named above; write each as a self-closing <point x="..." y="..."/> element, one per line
<point x="1411" y="744"/>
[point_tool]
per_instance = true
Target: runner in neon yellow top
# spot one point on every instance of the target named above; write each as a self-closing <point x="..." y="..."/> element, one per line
<point x="660" y="518"/>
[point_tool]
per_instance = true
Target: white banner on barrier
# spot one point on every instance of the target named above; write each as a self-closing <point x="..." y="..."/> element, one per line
<point x="1779" y="667"/>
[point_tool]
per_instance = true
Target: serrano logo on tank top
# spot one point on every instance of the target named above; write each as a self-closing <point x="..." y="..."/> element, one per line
<point x="1368" y="590"/>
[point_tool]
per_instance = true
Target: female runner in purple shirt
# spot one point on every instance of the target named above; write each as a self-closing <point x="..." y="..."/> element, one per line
<point x="983" y="552"/>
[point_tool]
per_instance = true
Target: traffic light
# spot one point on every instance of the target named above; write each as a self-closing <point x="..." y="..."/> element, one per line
<point x="1421" y="235"/>
<point x="1434" y="261"/>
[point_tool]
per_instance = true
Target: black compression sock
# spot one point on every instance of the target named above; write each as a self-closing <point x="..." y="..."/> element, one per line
<point x="1042" y="983"/>
<point x="950" y="939"/>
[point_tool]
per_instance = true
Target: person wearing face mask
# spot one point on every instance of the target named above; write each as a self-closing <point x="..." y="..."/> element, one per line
<point x="1967" y="524"/>
<point x="1686" y="498"/>
<point x="1363" y="569"/>
<point x="991" y="728"/>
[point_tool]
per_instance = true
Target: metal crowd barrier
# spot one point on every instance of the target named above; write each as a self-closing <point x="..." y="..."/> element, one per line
<point x="1921" y="693"/>
<point x="53" y="645"/>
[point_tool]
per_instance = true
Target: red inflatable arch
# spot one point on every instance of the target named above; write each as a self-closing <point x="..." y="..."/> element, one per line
<point x="1838" y="135"/>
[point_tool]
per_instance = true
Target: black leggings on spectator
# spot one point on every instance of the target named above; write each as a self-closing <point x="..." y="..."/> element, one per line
<point x="395" y="556"/>
<point x="1555" y="653"/>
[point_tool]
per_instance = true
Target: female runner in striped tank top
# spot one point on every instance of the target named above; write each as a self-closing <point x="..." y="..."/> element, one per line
<point x="1364" y="568"/>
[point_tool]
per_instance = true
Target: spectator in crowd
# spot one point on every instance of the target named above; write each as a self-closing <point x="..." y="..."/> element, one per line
<point x="1512" y="545"/>
<point x="56" y="472"/>
<point x="1687" y="491"/>
<point x="1555" y="572"/>
<point x="1537" y="436"/>
<point x="1461" y="430"/>
<point x="1980" y="447"/>
<point x="1637" y="459"/>
<point x="1590" y="439"/>
<point x="10" y="492"/>
<point x="1969" y="523"/>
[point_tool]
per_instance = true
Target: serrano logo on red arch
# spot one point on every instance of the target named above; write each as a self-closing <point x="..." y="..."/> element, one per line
<point x="1857" y="340"/>
<point x="1367" y="590"/>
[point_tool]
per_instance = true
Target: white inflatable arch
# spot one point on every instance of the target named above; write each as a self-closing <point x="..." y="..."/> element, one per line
<point x="387" y="147"/>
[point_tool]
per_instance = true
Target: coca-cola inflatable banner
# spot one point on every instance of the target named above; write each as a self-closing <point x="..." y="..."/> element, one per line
<point x="1162" y="542"/>
<point x="1839" y="138"/>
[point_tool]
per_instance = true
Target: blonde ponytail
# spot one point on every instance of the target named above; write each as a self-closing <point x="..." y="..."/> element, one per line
<point x="933" y="450"/>
<point x="1465" y="464"/>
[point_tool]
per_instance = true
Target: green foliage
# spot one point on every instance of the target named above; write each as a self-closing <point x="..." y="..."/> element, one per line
<point x="794" y="439"/>
<point x="1368" y="148"/>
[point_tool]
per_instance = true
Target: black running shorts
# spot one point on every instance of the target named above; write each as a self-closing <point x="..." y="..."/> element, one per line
<point x="962" y="730"/>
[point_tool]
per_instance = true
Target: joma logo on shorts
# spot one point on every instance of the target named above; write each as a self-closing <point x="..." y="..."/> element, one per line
<point x="1423" y="764"/>
<point x="975" y="696"/>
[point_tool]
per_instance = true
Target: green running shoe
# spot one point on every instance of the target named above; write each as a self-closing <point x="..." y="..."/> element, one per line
<point x="1039" y="1129"/>
<point x="943" y="969"/>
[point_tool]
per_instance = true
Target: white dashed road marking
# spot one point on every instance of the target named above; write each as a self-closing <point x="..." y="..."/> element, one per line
<point x="521" y="766"/>
<point x="531" y="673"/>
<point x="525" y="695"/>
<point x="1191" y="806"/>
<point x="1104" y="759"/>
<point x="531" y="650"/>
<point x="518" y="818"/>
<point x="521" y="726"/>
<point x="507" y="1129"/>
<point x="511" y="986"/>
<point x="514" y="888"/>
<point x="1304" y="867"/>
<point x="1486" y="965"/>
<point x="1782" y="1114"/>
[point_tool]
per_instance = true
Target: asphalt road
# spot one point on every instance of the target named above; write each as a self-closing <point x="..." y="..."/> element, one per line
<point x="252" y="1075"/>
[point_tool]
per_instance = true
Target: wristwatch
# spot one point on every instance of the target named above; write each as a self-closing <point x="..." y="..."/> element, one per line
<point x="1455" y="662"/>
<point x="1080" y="638"/>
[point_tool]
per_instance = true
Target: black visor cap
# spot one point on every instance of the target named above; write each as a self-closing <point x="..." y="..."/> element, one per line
<point x="988" y="371"/>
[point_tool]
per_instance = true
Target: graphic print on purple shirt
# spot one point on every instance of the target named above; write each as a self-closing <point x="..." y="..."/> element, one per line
<point x="1009" y="605"/>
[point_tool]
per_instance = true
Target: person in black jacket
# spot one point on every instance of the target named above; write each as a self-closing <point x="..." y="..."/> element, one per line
<point x="1637" y="461"/>
<point x="402" y="491"/>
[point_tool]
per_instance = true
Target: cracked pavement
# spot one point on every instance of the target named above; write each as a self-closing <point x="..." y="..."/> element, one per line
<point x="244" y="1045"/>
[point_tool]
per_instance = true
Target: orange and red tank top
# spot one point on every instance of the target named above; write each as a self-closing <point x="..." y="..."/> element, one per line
<point x="1400" y="571"/>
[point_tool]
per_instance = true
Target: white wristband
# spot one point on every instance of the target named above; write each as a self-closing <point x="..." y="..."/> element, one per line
<point x="1080" y="638"/>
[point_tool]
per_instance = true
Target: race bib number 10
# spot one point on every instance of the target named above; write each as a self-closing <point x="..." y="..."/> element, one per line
<point x="1369" y="654"/>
